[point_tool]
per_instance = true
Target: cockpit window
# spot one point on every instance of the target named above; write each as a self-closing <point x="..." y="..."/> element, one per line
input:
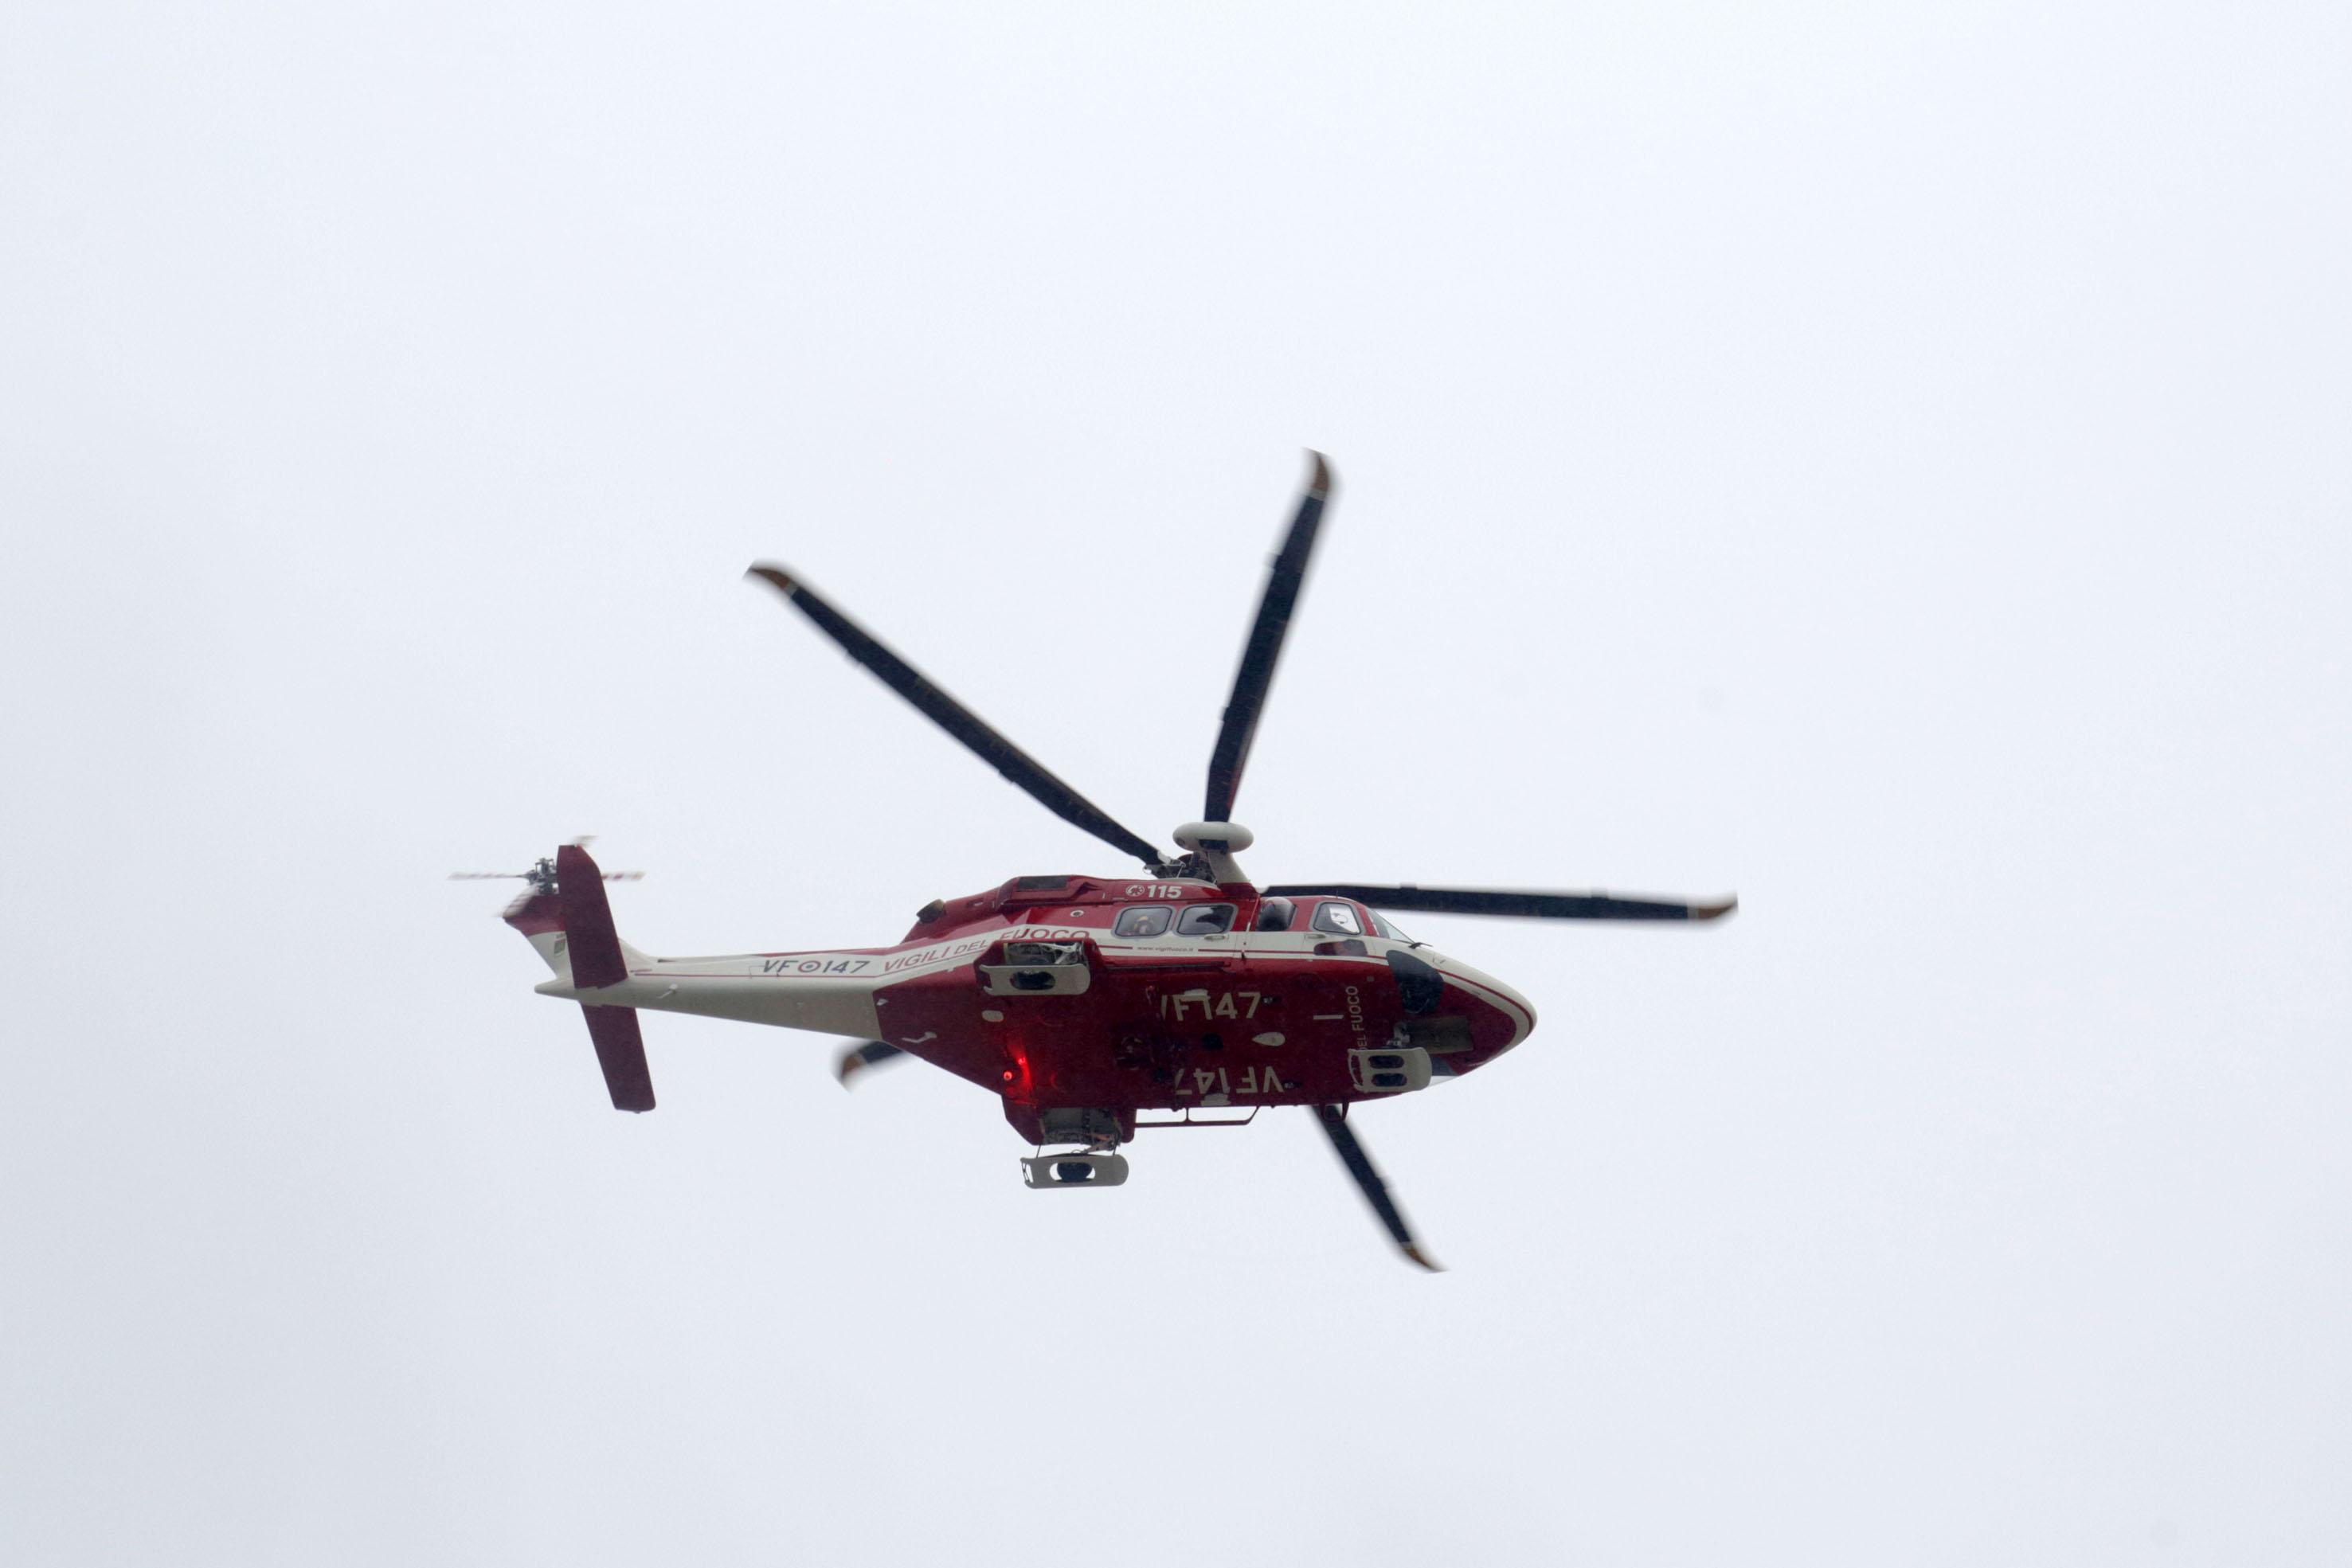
<point x="1382" y="926"/>
<point x="1205" y="920"/>
<point x="1276" y="914"/>
<point x="1144" y="920"/>
<point x="1338" y="917"/>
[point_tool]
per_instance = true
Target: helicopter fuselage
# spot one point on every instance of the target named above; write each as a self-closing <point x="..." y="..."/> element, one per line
<point x="1114" y="994"/>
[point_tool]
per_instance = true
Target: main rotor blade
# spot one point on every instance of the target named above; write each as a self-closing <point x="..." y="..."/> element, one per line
<point x="1334" y="1121"/>
<point x="1498" y="901"/>
<point x="951" y="715"/>
<point x="858" y="1058"/>
<point x="1264" y="649"/>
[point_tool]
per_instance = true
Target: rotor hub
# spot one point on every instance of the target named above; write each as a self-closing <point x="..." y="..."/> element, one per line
<point x="1213" y="845"/>
<point x="1202" y="838"/>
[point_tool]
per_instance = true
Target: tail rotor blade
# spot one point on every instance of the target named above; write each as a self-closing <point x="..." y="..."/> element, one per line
<point x="959" y="721"/>
<point x="1264" y="649"/>
<point x="1502" y="901"/>
<point x="1334" y="1121"/>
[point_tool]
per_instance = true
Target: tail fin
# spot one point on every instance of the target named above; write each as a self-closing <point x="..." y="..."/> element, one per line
<point x="588" y="921"/>
<point x="621" y="1052"/>
<point x="571" y="925"/>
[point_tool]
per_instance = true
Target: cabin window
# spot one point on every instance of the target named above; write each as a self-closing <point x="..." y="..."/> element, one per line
<point x="1276" y="914"/>
<point x="1337" y="917"/>
<point x="1206" y="920"/>
<point x="1145" y="920"/>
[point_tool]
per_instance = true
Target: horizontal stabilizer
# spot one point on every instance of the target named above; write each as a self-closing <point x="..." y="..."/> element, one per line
<point x="595" y="945"/>
<point x="621" y="1052"/>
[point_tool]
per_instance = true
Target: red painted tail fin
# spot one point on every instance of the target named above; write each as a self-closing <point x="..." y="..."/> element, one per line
<point x="564" y="914"/>
<point x="596" y="962"/>
<point x="621" y="1052"/>
<point x="588" y="930"/>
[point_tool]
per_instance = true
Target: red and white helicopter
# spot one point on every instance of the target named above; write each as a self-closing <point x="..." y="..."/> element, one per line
<point x="1085" y="1002"/>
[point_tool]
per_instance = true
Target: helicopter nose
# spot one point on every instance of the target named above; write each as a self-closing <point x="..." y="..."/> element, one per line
<point x="1485" y="988"/>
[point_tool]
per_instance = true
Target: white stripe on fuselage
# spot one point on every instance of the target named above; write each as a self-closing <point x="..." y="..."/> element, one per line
<point x="846" y="979"/>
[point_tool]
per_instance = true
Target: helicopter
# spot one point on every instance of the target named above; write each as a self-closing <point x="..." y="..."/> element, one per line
<point x="1098" y="1006"/>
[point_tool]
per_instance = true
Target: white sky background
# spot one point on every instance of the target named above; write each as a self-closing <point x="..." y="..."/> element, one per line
<point x="1888" y="461"/>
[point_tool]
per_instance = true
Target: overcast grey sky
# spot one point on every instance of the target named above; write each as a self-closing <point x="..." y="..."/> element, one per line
<point x="1889" y="461"/>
